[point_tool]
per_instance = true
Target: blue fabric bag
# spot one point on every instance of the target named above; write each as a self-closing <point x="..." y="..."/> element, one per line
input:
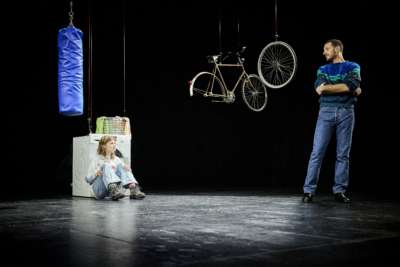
<point x="70" y="72"/>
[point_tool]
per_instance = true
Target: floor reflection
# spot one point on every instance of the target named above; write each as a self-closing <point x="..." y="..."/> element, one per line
<point x="239" y="228"/>
<point x="106" y="230"/>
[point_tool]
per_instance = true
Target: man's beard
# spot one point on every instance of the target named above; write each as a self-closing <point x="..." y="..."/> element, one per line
<point x="330" y="59"/>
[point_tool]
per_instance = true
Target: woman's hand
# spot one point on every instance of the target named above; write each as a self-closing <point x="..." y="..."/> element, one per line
<point x="99" y="173"/>
<point x="127" y="167"/>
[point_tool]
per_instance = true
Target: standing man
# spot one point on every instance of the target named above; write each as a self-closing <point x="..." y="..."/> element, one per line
<point x="338" y="85"/>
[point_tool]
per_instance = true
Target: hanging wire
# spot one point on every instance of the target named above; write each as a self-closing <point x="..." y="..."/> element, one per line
<point x="71" y="17"/>
<point x="276" y="22"/>
<point x="238" y="34"/>
<point x="124" y="63"/>
<point x="220" y="52"/>
<point x="90" y="73"/>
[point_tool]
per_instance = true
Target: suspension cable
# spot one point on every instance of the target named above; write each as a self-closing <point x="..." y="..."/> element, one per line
<point x="90" y="74"/>
<point x="238" y="34"/>
<point x="276" y="22"/>
<point x="220" y="30"/>
<point x="124" y="62"/>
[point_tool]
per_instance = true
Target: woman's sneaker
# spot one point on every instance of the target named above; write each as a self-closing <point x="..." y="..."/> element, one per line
<point x="116" y="193"/>
<point x="136" y="193"/>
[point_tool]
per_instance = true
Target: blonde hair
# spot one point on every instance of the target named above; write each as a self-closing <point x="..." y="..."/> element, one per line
<point x="103" y="141"/>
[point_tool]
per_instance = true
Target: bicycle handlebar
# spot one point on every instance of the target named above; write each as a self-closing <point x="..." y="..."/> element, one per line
<point x="238" y="54"/>
<point x="229" y="53"/>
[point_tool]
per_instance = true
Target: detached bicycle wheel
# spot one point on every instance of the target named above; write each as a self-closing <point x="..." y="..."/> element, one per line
<point x="203" y="84"/>
<point x="277" y="65"/>
<point x="254" y="93"/>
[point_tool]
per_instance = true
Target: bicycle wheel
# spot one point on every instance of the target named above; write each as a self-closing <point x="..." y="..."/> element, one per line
<point x="202" y="83"/>
<point x="277" y="65"/>
<point x="254" y="93"/>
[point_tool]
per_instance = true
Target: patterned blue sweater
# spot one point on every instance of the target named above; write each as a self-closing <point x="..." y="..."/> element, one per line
<point x="342" y="72"/>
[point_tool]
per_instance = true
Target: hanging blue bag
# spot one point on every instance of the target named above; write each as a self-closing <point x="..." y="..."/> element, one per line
<point x="70" y="71"/>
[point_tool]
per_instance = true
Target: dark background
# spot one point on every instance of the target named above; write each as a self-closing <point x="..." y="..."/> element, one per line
<point x="188" y="142"/>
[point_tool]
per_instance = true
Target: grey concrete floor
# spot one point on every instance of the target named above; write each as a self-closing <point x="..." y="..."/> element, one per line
<point x="237" y="227"/>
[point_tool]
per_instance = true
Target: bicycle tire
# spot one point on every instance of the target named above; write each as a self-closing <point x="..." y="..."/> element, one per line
<point x="254" y="93"/>
<point x="277" y="65"/>
<point x="201" y="84"/>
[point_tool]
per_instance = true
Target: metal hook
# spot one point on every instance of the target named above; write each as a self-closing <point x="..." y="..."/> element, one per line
<point x="90" y="126"/>
<point x="71" y="16"/>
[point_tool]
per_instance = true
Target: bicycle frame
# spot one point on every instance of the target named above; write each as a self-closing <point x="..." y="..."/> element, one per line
<point x="230" y="65"/>
<point x="213" y="74"/>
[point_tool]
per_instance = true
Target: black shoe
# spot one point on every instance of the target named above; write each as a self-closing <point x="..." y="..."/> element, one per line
<point x="340" y="197"/>
<point x="307" y="198"/>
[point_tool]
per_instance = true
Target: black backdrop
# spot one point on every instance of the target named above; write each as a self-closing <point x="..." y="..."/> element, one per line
<point x="184" y="141"/>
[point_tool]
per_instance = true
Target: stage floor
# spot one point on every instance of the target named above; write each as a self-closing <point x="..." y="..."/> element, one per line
<point x="230" y="227"/>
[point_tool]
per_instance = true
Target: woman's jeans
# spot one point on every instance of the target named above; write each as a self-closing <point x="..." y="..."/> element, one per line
<point x="121" y="177"/>
<point x="330" y="119"/>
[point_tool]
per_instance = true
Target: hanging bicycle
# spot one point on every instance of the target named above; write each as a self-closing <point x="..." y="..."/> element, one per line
<point x="277" y="63"/>
<point x="254" y="92"/>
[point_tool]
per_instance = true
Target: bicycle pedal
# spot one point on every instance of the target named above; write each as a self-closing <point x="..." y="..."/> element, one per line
<point x="218" y="101"/>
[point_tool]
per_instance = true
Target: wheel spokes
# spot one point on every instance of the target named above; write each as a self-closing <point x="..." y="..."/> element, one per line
<point x="254" y="93"/>
<point x="277" y="64"/>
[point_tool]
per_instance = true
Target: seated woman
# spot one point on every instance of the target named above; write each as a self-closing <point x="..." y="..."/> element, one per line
<point x="109" y="175"/>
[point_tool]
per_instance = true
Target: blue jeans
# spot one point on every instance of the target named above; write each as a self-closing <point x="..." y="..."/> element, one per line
<point x="121" y="177"/>
<point x="329" y="119"/>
